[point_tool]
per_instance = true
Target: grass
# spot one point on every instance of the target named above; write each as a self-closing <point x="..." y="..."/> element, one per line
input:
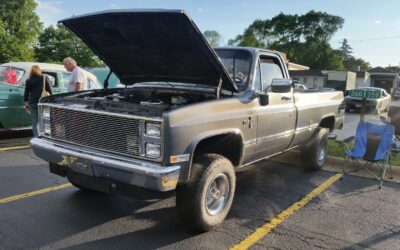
<point x="337" y="149"/>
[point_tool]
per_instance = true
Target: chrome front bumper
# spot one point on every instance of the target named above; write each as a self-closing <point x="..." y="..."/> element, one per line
<point x="93" y="163"/>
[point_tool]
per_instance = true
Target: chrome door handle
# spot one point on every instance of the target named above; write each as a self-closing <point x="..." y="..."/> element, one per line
<point x="284" y="98"/>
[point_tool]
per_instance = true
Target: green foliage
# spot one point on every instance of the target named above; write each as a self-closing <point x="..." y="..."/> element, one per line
<point x="19" y="28"/>
<point x="304" y="38"/>
<point x="337" y="150"/>
<point x="349" y="62"/>
<point x="57" y="42"/>
<point x="213" y="37"/>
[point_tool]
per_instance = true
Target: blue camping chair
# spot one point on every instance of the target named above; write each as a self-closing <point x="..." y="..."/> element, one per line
<point x="372" y="147"/>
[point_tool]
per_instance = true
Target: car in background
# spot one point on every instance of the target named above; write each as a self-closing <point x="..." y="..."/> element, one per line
<point x="377" y="105"/>
<point x="102" y="73"/>
<point x="396" y="94"/>
<point x="300" y="86"/>
<point x="12" y="87"/>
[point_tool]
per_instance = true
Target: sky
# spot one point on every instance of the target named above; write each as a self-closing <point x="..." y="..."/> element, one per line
<point x="371" y="27"/>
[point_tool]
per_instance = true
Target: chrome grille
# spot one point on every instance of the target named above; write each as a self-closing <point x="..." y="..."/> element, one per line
<point x="98" y="131"/>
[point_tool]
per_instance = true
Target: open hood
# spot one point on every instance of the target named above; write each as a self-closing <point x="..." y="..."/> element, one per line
<point x="151" y="45"/>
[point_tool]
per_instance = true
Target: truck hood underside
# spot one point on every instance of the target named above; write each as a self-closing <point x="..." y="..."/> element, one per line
<point x="150" y="46"/>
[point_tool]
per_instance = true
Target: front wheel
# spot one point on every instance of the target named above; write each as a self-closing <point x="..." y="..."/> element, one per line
<point x="205" y="201"/>
<point x="313" y="155"/>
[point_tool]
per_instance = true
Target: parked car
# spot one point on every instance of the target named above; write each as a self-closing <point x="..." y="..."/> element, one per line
<point x="12" y="86"/>
<point x="198" y="116"/>
<point x="377" y="105"/>
<point x="300" y="86"/>
<point x="102" y="73"/>
<point x="394" y="116"/>
<point x="396" y="94"/>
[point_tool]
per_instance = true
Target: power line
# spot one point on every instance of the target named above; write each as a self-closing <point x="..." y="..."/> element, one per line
<point x="371" y="39"/>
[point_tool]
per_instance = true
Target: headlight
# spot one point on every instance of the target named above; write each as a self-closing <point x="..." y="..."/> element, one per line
<point x="153" y="150"/>
<point x="46" y="113"/>
<point x="47" y="129"/>
<point x="153" y="129"/>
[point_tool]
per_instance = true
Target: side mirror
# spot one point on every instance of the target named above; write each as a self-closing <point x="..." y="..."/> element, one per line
<point x="264" y="99"/>
<point x="281" y="85"/>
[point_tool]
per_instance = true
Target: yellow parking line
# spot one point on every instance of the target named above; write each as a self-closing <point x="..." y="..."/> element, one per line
<point x="37" y="192"/>
<point x="15" y="148"/>
<point x="265" y="229"/>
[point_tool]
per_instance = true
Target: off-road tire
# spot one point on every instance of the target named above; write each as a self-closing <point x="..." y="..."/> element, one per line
<point x="191" y="201"/>
<point x="313" y="155"/>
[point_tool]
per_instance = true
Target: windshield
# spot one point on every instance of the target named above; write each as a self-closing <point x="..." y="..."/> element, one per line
<point x="238" y="64"/>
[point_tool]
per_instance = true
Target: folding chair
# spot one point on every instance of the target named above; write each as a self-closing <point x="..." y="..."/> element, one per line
<point x="372" y="147"/>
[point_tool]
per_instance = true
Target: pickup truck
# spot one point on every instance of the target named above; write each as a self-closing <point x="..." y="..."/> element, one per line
<point x="188" y="119"/>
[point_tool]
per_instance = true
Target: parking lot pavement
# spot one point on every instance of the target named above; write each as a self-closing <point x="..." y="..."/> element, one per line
<point x="350" y="214"/>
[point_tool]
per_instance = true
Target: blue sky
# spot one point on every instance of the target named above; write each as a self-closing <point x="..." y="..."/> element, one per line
<point x="372" y="27"/>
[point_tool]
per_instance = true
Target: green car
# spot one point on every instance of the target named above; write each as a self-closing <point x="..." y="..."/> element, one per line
<point x="101" y="74"/>
<point x="12" y="86"/>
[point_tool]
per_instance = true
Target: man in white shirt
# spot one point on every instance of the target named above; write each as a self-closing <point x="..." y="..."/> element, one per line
<point x="78" y="80"/>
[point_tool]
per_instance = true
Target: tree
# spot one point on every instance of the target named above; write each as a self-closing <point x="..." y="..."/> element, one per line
<point x="304" y="38"/>
<point x="57" y="42"/>
<point x="349" y="62"/>
<point x="345" y="50"/>
<point x="213" y="37"/>
<point x="19" y="28"/>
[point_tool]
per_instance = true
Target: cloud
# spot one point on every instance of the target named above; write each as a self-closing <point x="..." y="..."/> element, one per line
<point x="49" y="11"/>
<point x="377" y="22"/>
<point x="52" y="7"/>
<point x="200" y="10"/>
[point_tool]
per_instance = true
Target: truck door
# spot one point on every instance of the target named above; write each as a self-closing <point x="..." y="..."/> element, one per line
<point x="277" y="120"/>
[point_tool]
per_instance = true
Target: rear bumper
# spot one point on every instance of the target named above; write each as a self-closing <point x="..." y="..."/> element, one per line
<point x="92" y="163"/>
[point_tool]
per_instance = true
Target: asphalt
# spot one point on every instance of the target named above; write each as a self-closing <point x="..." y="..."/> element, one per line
<point x="351" y="214"/>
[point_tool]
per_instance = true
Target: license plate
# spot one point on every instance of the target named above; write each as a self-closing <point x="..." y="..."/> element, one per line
<point x="358" y="105"/>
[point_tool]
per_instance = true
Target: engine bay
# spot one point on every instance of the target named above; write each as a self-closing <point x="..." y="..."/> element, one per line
<point x="149" y="102"/>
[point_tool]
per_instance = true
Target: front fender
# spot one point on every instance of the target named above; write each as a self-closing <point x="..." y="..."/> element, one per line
<point x="185" y="171"/>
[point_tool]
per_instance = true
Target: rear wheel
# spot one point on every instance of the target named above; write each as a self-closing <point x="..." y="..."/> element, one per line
<point x="205" y="201"/>
<point x="313" y="155"/>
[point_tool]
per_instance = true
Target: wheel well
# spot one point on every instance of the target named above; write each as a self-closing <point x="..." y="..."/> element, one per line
<point x="227" y="145"/>
<point x="328" y="122"/>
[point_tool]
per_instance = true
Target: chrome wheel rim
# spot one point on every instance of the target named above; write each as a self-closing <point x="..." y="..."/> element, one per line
<point x="321" y="153"/>
<point x="217" y="194"/>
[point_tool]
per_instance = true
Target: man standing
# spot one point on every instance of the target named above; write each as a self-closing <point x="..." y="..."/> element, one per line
<point x="78" y="80"/>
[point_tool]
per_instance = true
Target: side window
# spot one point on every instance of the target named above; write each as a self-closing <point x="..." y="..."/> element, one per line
<point x="52" y="78"/>
<point x="11" y="75"/>
<point x="270" y="69"/>
<point x="66" y="79"/>
<point x="257" y="80"/>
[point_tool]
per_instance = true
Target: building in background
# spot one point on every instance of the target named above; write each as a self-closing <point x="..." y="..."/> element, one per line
<point x="295" y="66"/>
<point x="312" y="79"/>
<point x="383" y="78"/>
<point x="340" y="80"/>
<point x="363" y="79"/>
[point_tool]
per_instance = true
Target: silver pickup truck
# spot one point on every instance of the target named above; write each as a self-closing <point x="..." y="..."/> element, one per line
<point x="189" y="117"/>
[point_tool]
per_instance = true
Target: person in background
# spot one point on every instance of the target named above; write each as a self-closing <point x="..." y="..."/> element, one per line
<point x="33" y="91"/>
<point x="78" y="80"/>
